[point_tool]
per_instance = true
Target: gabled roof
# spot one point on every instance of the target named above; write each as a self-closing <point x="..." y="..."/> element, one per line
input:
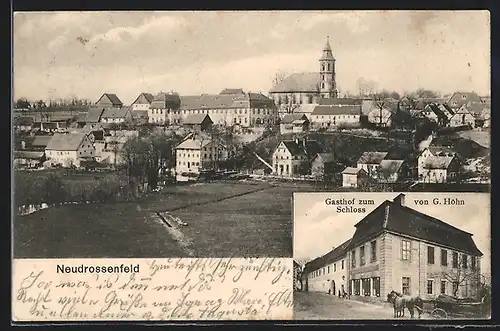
<point x="41" y="141"/>
<point x="476" y="108"/>
<point x="298" y="82"/>
<point x="458" y="99"/>
<point x="438" y="111"/>
<point x="232" y="91"/>
<point x="115" y="112"/>
<point x="193" y="144"/>
<point x="305" y="108"/>
<point x="28" y="155"/>
<point x="166" y="101"/>
<point x="194" y="119"/>
<point x="438" y="162"/>
<point x="94" y="114"/>
<point x="326" y="157"/>
<point x="352" y="171"/>
<point x="222" y="101"/>
<point x="337" y="110"/>
<point x="65" y="141"/>
<point x="394" y="217"/>
<point x="372" y="157"/>
<point x="109" y="98"/>
<point x="289" y="118"/>
<point x="391" y="166"/>
<point x="441" y="150"/>
<point x="340" y="101"/>
<point x="143" y="98"/>
<point x="332" y="256"/>
<point x="294" y="148"/>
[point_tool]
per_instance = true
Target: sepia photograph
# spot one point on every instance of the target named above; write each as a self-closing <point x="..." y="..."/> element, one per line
<point x="391" y="256"/>
<point x="185" y="134"/>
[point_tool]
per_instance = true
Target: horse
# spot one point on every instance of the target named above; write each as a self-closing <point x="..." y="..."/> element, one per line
<point x="399" y="303"/>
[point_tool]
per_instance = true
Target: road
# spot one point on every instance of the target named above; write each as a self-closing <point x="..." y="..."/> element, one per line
<point x="316" y="305"/>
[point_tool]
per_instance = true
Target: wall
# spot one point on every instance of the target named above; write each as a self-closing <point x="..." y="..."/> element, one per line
<point x="140" y="106"/>
<point x="370" y="269"/>
<point x="188" y="160"/>
<point x="349" y="180"/>
<point x="321" y="280"/>
<point x="325" y="121"/>
<point x="282" y="157"/>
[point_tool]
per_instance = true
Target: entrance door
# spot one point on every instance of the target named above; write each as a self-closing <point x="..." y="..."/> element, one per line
<point x="189" y="165"/>
<point x="334" y="290"/>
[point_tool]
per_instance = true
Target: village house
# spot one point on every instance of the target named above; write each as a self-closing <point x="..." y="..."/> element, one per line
<point x="93" y="115"/>
<point x="463" y="117"/>
<point x="354" y="177"/>
<point x="458" y="99"/>
<point x="478" y="110"/>
<point x="28" y="159"/>
<point x="370" y="162"/>
<point x="198" y="122"/>
<point x="389" y="251"/>
<point x="39" y="143"/>
<point x="303" y="109"/>
<point x="323" y="164"/>
<point x="328" y="273"/>
<point x="294" y="123"/>
<point x="292" y="157"/>
<point x="392" y="171"/>
<point x="243" y="109"/>
<point x="69" y="149"/>
<point x="143" y="101"/>
<point x="109" y="100"/>
<point x="116" y="115"/>
<point x="198" y="152"/>
<point x="333" y="116"/>
<point x="165" y="109"/>
<point x="438" y="164"/>
<point x="307" y="88"/>
<point x="438" y="113"/>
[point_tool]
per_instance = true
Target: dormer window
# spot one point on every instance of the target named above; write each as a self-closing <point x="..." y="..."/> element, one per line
<point x="464" y="97"/>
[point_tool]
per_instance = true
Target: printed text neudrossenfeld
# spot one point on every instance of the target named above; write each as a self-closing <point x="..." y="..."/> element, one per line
<point x="81" y="269"/>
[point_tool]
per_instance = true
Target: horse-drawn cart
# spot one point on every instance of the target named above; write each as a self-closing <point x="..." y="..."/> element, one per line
<point x="446" y="306"/>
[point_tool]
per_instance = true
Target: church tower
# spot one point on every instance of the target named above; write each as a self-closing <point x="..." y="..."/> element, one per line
<point x="327" y="84"/>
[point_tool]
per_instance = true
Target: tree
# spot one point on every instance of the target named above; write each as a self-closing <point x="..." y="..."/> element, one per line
<point x="279" y="76"/>
<point x="22" y="103"/>
<point x="461" y="277"/>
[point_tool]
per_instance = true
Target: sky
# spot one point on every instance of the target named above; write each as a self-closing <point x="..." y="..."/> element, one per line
<point x="318" y="228"/>
<point x="85" y="54"/>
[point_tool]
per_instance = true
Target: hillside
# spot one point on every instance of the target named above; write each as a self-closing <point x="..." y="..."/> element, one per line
<point x="466" y="147"/>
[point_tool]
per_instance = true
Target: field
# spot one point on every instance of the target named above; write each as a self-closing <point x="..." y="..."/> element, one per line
<point x="224" y="219"/>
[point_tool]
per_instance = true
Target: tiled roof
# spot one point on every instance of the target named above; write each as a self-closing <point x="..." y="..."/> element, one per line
<point x="372" y="157"/>
<point x="326" y="157"/>
<point x="305" y="108"/>
<point x="28" y="155"/>
<point x="420" y="103"/>
<point x="298" y="82"/>
<point x="65" y="141"/>
<point x="441" y="151"/>
<point x="391" y="216"/>
<point x="165" y="101"/>
<point x="221" y="101"/>
<point x="193" y="144"/>
<point x="194" y="119"/>
<point x="41" y="141"/>
<point x="391" y="166"/>
<point x="112" y="98"/>
<point x="115" y="112"/>
<point x="94" y="114"/>
<point x="438" y="162"/>
<point x="341" y="101"/>
<point x="476" y="108"/>
<point x="337" y="110"/>
<point x="458" y="99"/>
<point x="232" y="91"/>
<point x="332" y="256"/>
<point x="294" y="148"/>
<point x="289" y="118"/>
<point x="351" y="171"/>
<point x="313" y="148"/>
<point x="144" y="98"/>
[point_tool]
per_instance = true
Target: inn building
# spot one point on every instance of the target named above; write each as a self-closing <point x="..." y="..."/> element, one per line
<point x="398" y="248"/>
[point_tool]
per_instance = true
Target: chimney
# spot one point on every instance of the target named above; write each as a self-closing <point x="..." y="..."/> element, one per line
<point x="400" y="200"/>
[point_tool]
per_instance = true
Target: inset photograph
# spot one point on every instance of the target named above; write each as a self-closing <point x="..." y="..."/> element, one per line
<point x="392" y="256"/>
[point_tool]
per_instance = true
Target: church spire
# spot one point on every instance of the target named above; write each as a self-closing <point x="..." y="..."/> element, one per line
<point x="327" y="51"/>
<point x="327" y="45"/>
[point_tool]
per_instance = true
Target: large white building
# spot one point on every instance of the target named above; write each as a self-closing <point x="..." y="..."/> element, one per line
<point x="69" y="149"/>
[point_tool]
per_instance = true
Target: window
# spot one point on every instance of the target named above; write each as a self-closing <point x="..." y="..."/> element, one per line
<point x="366" y="286"/>
<point x="342" y="264"/>
<point x="405" y="250"/>
<point x="430" y="285"/>
<point x="376" y="286"/>
<point x="464" y="261"/>
<point x="353" y="259"/>
<point x="405" y="285"/>
<point x="455" y="260"/>
<point x="334" y="267"/>
<point x="473" y="263"/>
<point x="444" y="257"/>
<point x="328" y="269"/>
<point x="430" y="255"/>
<point x="443" y="287"/>
<point x="373" y="251"/>
<point x="362" y="255"/>
<point x="455" y="288"/>
<point x="357" y="286"/>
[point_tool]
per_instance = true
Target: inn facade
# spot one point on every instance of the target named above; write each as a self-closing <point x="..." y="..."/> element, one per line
<point x="398" y="248"/>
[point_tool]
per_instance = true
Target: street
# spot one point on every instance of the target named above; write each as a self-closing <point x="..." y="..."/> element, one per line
<point x="316" y="305"/>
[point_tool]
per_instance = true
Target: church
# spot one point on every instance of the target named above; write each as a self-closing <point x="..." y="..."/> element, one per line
<point x="307" y="87"/>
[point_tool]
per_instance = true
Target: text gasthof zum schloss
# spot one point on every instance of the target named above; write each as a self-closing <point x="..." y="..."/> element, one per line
<point x="163" y="289"/>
